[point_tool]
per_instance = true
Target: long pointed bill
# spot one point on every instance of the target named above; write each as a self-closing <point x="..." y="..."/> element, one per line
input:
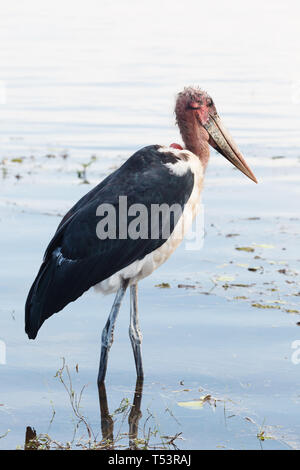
<point x="222" y="141"/>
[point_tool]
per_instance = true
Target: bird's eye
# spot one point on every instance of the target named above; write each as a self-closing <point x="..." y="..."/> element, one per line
<point x="194" y="104"/>
<point x="209" y="102"/>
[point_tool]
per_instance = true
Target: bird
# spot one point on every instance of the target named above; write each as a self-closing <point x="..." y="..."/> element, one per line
<point x="119" y="232"/>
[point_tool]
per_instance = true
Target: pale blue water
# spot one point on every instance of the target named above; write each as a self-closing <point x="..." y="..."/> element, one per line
<point x="101" y="81"/>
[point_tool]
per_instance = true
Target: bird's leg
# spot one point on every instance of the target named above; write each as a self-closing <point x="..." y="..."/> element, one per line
<point x="108" y="331"/>
<point x="135" y="332"/>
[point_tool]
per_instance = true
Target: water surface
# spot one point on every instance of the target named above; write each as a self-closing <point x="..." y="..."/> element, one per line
<point x="82" y="81"/>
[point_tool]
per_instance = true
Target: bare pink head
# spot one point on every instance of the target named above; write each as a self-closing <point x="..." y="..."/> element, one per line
<point x="191" y="100"/>
<point x="201" y="126"/>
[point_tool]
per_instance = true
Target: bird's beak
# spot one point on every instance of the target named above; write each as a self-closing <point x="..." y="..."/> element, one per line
<point x="221" y="140"/>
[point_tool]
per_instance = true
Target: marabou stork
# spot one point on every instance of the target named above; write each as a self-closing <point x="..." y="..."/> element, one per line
<point x="77" y="258"/>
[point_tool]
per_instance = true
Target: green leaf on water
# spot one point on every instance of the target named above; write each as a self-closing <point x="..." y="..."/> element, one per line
<point x="186" y="286"/>
<point x="197" y="404"/>
<point x="163" y="285"/>
<point x="248" y="249"/>
<point x="262" y="436"/>
<point x="258" y="305"/>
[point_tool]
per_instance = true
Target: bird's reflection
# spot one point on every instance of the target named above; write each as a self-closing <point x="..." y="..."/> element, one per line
<point x="107" y="424"/>
<point x="135" y="413"/>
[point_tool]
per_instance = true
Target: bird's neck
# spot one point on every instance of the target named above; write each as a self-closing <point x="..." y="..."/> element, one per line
<point x="195" y="139"/>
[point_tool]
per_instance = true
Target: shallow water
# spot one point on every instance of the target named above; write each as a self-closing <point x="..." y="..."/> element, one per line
<point x="101" y="81"/>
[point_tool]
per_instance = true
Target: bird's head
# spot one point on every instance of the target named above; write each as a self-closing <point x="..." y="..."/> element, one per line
<point x="199" y="123"/>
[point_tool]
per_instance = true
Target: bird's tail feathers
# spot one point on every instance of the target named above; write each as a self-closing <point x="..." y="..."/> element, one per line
<point x="35" y="314"/>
